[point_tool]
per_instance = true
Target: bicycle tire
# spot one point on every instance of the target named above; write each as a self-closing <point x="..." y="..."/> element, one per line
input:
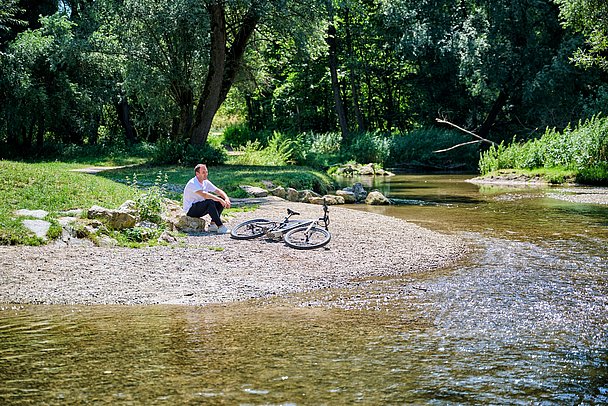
<point x="298" y="239"/>
<point x="250" y="229"/>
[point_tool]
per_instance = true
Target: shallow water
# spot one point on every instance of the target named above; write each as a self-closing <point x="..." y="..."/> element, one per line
<point x="523" y="319"/>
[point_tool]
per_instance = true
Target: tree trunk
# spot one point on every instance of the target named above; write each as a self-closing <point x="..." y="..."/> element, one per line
<point x="499" y="103"/>
<point x="223" y="67"/>
<point x="354" y="83"/>
<point x="335" y="84"/>
<point x="210" y="97"/>
<point x="123" y="111"/>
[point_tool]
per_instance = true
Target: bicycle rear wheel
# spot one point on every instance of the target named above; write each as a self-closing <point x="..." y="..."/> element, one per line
<point x="251" y="229"/>
<point x="304" y="239"/>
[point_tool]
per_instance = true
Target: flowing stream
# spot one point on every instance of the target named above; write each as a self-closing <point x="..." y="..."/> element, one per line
<point x="523" y="319"/>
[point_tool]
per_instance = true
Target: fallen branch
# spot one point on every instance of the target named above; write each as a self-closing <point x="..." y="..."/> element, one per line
<point x="458" y="145"/>
<point x="479" y="138"/>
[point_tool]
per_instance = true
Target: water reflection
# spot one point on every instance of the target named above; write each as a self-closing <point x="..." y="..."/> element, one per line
<point x="523" y="320"/>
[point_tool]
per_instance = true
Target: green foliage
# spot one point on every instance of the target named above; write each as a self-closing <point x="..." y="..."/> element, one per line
<point x="149" y="201"/>
<point x="238" y="135"/>
<point x="279" y="152"/>
<point x="583" y="150"/>
<point x="369" y="147"/>
<point x="172" y="152"/>
<point x="416" y="150"/>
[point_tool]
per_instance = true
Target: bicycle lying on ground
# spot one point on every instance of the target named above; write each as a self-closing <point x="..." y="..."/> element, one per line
<point x="299" y="234"/>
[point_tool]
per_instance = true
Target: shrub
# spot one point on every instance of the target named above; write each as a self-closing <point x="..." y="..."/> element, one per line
<point x="416" y="150"/>
<point x="180" y="152"/>
<point x="238" y="135"/>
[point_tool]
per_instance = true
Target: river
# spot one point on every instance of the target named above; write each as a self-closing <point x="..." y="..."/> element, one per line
<point x="523" y="319"/>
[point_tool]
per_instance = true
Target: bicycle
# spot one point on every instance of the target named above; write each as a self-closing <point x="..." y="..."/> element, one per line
<point x="298" y="234"/>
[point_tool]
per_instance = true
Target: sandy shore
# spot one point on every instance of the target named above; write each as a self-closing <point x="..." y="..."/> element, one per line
<point x="211" y="268"/>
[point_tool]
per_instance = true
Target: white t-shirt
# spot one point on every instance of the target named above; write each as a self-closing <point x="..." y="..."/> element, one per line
<point x="190" y="195"/>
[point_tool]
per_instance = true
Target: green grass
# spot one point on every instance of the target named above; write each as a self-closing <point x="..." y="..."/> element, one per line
<point x="51" y="187"/>
<point x="579" y="153"/>
<point x="230" y="177"/>
<point x="54" y="187"/>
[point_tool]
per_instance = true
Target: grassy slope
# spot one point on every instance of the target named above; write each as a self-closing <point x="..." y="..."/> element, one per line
<point x="54" y="187"/>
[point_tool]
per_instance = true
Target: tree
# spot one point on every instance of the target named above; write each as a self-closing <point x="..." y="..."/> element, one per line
<point x="589" y="17"/>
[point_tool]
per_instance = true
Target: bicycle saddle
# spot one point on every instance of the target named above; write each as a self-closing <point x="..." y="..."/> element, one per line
<point x="292" y="213"/>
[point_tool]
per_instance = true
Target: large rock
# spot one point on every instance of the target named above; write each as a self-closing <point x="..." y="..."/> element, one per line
<point x="305" y="195"/>
<point x="292" y="195"/>
<point x="376" y="198"/>
<point x="115" y="219"/>
<point x="367" y="170"/>
<point x="191" y="224"/>
<point x="348" y="196"/>
<point x="327" y="199"/>
<point x="38" y="227"/>
<point x="175" y="218"/>
<point x="254" y="191"/>
<point x="359" y="191"/>
<point x="278" y="191"/>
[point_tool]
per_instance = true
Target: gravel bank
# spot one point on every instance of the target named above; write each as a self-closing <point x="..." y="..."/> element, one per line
<point x="212" y="268"/>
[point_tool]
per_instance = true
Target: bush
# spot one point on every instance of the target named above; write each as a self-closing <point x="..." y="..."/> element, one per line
<point x="583" y="150"/>
<point x="415" y="150"/>
<point x="238" y="135"/>
<point x="180" y="152"/>
<point x="279" y="152"/>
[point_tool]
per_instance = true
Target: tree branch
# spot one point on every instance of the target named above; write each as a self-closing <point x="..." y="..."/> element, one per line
<point x="479" y="138"/>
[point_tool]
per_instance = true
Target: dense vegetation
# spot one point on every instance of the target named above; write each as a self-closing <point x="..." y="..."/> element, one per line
<point x="356" y="79"/>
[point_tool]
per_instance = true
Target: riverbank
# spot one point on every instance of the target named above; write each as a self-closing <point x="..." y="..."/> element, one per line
<point x="569" y="192"/>
<point x="211" y="268"/>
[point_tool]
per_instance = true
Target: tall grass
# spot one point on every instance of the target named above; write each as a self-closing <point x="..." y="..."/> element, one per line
<point x="582" y="150"/>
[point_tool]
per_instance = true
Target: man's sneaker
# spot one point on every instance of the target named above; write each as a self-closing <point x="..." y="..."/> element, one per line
<point x="212" y="228"/>
<point x="223" y="230"/>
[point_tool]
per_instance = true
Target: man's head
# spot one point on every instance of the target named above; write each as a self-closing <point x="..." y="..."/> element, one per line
<point x="201" y="171"/>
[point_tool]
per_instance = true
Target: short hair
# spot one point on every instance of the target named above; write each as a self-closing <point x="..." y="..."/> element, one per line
<point x="198" y="167"/>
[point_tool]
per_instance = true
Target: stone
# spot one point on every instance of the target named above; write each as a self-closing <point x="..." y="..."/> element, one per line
<point x="38" y="227"/>
<point x="278" y="191"/>
<point x="305" y="195"/>
<point x="191" y="224"/>
<point x="254" y="191"/>
<point x="129" y="206"/>
<point x="167" y="237"/>
<point x="348" y="196"/>
<point x="367" y="170"/>
<point x="292" y="195"/>
<point x="268" y="184"/>
<point x="327" y="199"/>
<point x="106" y="241"/>
<point x="39" y="214"/>
<point x="115" y="219"/>
<point x="376" y="198"/>
<point x="359" y="191"/>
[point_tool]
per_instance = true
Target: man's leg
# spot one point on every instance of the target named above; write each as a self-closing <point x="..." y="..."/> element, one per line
<point x="208" y="206"/>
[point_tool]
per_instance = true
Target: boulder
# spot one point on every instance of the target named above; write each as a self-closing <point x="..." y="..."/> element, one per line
<point x="367" y="170"/>
<point x="278" y="191"/>
<point x="175" y="218"/>
<point x="254" y="191"/>
<point x="191" y="224"/>
<point x="328" y="199"/>
<point x="376" y="198"/>
<point x="305" y="195"/>
<point x="115" y="219"/>
<point x="348" y="196"/>
<point x="130" y="207"/>
<point x="292" y="195"/>
<point x="38" y="227"/>
<point x="359" y="191"/>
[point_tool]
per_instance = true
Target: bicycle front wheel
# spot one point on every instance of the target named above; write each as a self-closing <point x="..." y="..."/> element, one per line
<point x="251" y="229"/>
<point x="304" y="239"/>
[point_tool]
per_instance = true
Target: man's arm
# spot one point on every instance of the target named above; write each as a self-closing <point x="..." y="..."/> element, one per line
<point x="222" y="198"/>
